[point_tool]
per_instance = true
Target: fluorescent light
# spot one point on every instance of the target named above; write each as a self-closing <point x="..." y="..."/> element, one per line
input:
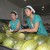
<point x="25" y="0"/>
<point x="43" y="7"/>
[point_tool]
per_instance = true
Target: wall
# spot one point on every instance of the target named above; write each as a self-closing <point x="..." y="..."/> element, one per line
<point x="46" y="19"/>
<point x="6" y="7"/>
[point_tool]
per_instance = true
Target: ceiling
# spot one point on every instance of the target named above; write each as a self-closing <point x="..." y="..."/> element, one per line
<point x="42" y="7"/>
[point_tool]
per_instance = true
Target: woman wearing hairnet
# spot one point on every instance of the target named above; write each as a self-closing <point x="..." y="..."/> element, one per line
<point x="14" y="24"/>
<point x="34" y="22"/>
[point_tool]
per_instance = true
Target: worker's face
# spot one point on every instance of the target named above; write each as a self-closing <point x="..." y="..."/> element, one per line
<point x="13" y="16"/>
<point x="28" y="12"/>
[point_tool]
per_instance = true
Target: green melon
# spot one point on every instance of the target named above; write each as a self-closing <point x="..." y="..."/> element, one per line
<point x="8" y="42"/>
<point x="36" y="37"/>
<point x="43" y="47"/>
<point x="2" y="37"/>
<point x="8" y="33"/>
<point x="18" y="45"/>
<point x="39" y="36"/>
<point x="19" y="36"/>
<point x="48" y="41"/>
<point x="29" y="36"/>
<point x="40" y="41"/>
<point x="29" y="45"/>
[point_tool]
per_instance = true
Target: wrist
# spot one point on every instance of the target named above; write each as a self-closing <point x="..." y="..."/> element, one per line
<point x="25" y="30"/>
<point x="11" y="30"/>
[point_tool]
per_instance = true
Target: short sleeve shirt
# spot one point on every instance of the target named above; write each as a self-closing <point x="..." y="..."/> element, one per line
<point x="41" y="30"/>
<point x="13" y="24"/>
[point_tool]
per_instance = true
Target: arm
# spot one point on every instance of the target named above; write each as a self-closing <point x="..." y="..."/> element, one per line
<point x="35" y="29"/>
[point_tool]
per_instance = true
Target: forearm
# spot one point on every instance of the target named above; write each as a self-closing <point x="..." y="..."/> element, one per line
<point x="30" y="30"/>
<point x="35" y="29"/>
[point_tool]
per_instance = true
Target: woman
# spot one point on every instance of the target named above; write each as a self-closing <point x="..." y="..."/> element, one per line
<point x="34" y="22"/>
<point x="14" y="24"/>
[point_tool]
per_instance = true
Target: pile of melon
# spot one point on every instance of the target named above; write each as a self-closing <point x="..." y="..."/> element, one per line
<point x="24" y="41"/>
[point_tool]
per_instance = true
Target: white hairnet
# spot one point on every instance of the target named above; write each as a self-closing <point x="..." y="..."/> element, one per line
<point x="31" y="8"/>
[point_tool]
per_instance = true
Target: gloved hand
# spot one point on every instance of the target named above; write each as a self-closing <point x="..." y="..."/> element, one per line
<point x="11" y="30"/>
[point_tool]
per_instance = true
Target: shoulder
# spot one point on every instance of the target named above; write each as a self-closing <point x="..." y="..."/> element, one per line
<point x="37" y="17"/>
<point x="17" y="20"/>
<point x="10" y="21"/>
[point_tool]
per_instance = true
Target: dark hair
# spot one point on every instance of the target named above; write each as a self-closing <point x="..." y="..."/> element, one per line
<point x="29" y="9"/>
<point x="13" y="13"/>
